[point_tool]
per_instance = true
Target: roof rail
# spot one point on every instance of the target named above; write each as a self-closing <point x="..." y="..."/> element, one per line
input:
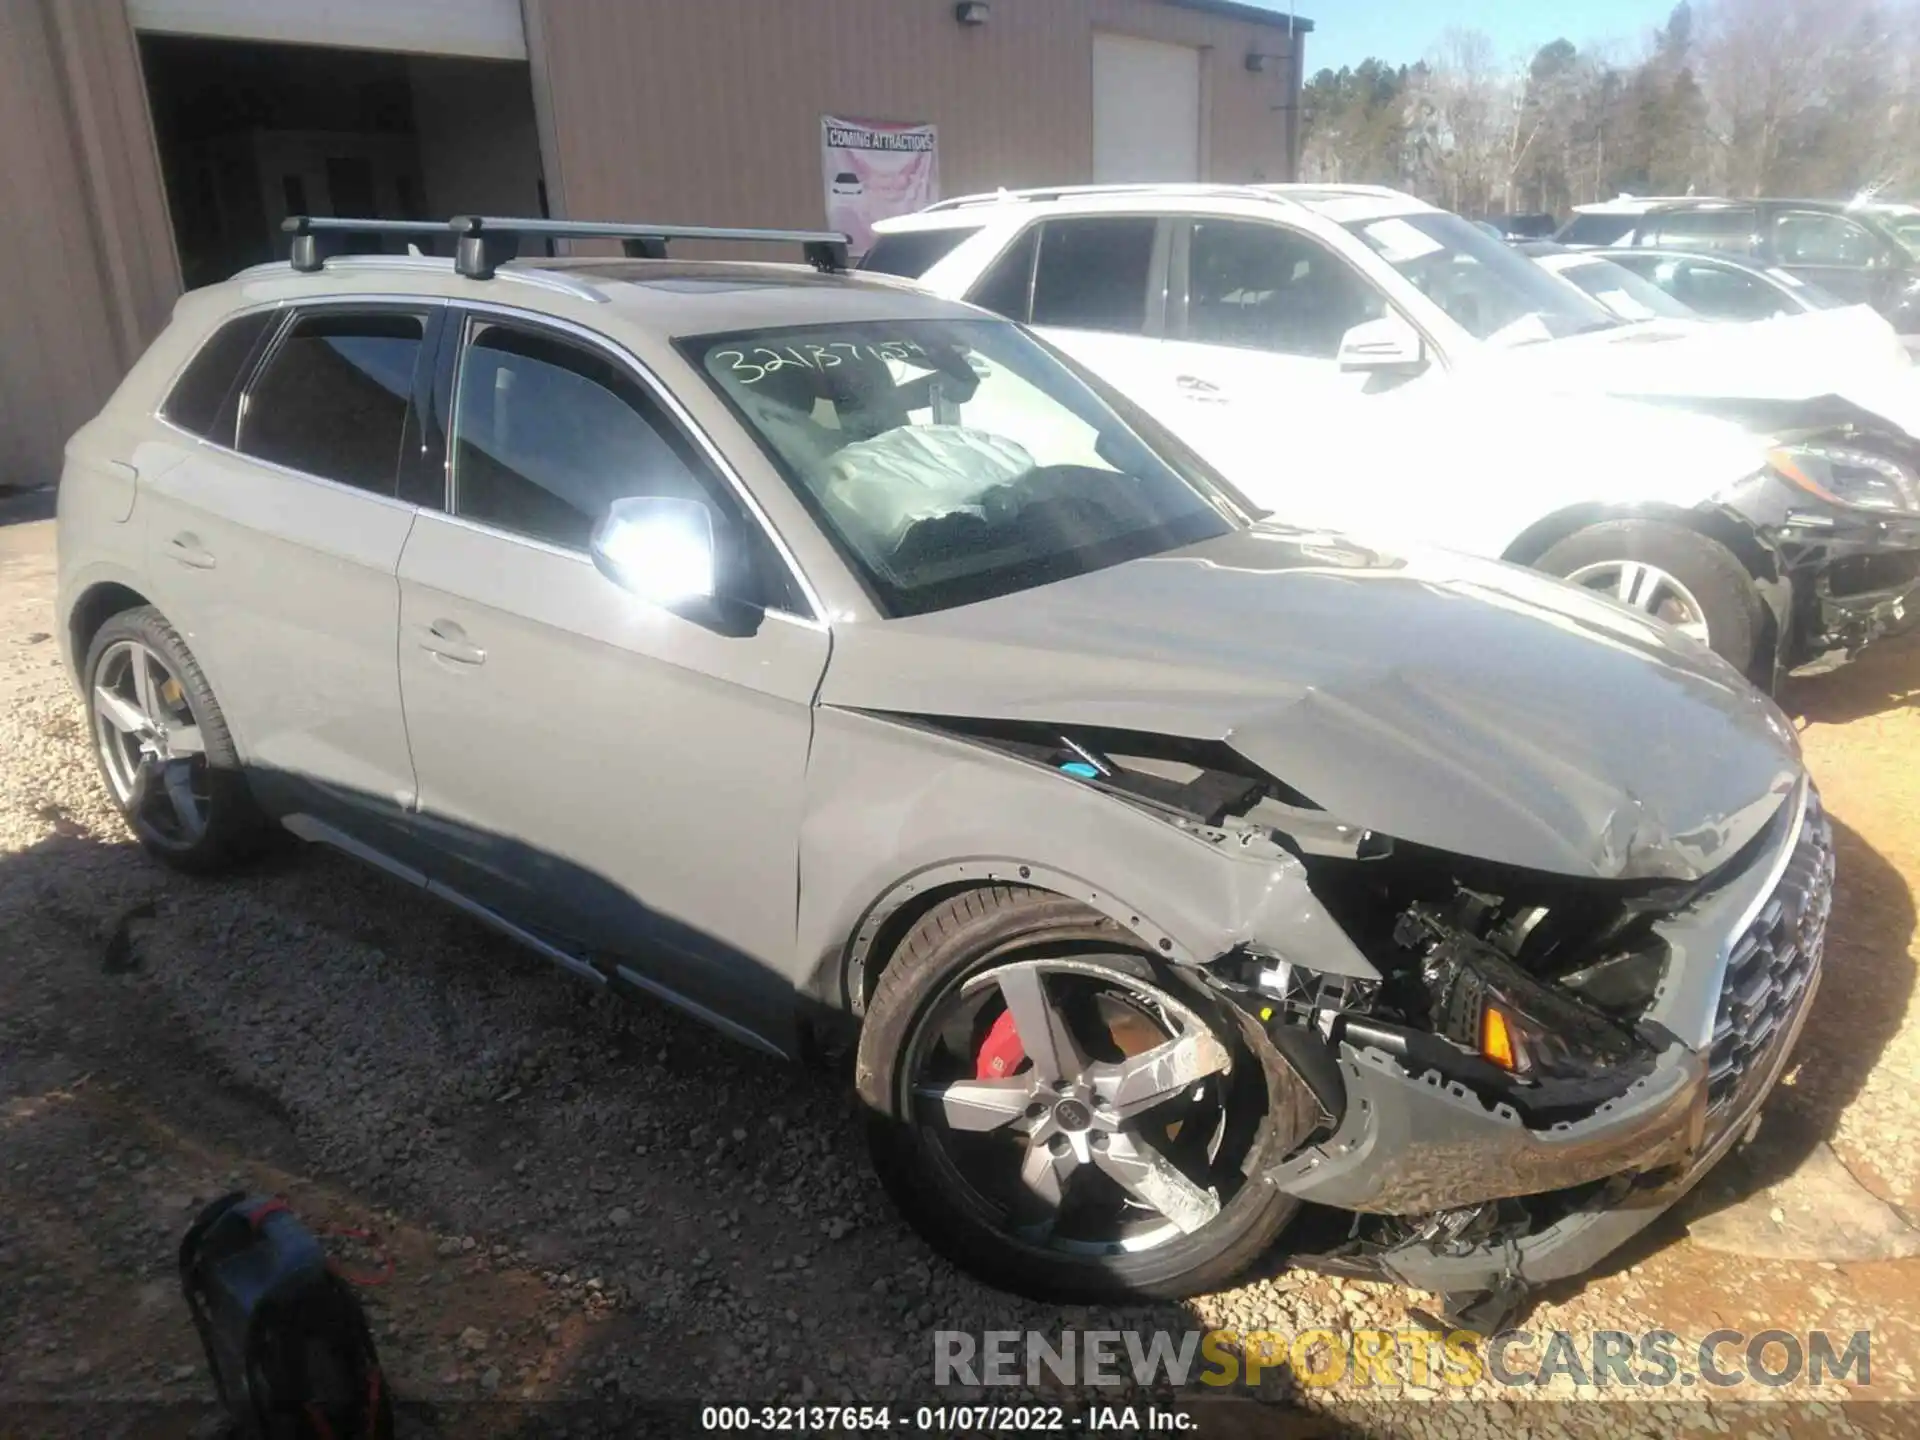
<point x="317" y="240"/>
<point x="1041" y="194"/>
<point x="483" y="242"/>
<point x="1289" y="188"/>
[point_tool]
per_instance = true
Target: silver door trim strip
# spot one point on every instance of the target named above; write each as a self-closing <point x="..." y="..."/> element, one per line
<point x="310" y="828"/>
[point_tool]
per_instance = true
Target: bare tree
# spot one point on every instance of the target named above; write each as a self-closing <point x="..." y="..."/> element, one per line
<point x="1817" y="97"/>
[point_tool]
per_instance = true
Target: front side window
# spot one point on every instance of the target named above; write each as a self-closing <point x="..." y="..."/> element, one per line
<point x="1261" y="287"/>
<point x="1727" y="294"/>
<point x="198" y="400"/>
<point x="1486" y="287"/>
<point x="1093" y="273"/>
<point x="1623" y="292"/>
<point x="547" y="434"/>
<point x="951" y="461"/>
<point x="1815" y="237"/>
<point x="334" y="397"/>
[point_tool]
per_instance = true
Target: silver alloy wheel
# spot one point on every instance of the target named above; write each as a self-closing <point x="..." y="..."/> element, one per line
<point x="1068" y="1123"/>
<point x="150" y="743"/>
<point x="1649" y="588"/>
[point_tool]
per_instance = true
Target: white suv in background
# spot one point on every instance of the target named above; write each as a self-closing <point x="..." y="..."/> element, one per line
<point x="1359" y="360"/>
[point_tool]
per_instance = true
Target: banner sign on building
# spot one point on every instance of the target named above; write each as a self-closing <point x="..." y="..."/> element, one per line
<point x="873" y="169"/>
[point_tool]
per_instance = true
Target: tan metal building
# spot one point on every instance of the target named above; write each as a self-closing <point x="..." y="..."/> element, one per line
<point x="147" y="145"/>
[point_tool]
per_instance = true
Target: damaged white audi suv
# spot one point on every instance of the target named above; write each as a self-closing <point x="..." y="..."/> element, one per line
<point x="812" y="652"/>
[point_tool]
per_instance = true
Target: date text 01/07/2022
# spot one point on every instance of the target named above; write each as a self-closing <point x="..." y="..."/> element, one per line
<point x="941" y="1419"/>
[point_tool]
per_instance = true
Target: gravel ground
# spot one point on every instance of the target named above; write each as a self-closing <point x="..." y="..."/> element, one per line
<point x="585" y="1200"/>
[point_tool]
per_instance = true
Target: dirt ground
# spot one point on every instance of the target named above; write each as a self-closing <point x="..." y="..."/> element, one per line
<point x="589" y="1207"/>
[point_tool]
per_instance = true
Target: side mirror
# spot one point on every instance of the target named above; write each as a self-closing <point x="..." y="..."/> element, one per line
<point x="1387" y="346"/>
<point x="659" y="547"/>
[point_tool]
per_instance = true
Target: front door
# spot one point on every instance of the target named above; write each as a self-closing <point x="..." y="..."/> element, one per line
<point x="1835" y="252"/>
<point x="623" y="782"/>
<point x="1255" y="325"/>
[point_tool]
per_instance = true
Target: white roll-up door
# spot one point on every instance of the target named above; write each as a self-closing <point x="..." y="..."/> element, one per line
<point x="1146" y="110"/>
<point x="483" y="29"/>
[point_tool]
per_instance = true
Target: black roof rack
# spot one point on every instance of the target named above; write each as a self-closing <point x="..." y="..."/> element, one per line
<point x="482" y="243"/>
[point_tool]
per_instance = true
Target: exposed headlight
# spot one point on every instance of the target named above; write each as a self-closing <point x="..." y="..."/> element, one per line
<point x="1846" y="475"/>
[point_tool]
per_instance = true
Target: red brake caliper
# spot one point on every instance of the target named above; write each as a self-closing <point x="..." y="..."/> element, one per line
<point x="1001" y="1052"/>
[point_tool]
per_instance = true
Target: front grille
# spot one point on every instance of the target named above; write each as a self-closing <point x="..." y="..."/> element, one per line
<point x="1770" y="971"/>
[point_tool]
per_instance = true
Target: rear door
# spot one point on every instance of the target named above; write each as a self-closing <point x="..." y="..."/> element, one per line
<point x="1094" y="285"/>
<point x="274" y="547"/>
<point x="624" y="782"/>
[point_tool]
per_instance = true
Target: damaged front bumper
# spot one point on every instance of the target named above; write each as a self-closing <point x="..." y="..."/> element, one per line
<point x="1488" y="1200"/>
<point x="1852" y="576"/>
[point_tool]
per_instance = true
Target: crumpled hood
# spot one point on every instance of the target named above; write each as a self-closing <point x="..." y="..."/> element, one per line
<point x="1465" y="705"/>
<point x="1850" y="352"/>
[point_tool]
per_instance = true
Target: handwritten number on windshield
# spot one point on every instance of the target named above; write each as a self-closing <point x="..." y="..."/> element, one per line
<point x="750" y="367"/>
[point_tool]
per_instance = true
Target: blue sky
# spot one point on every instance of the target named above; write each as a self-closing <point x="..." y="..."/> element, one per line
<point x="1347" y="31"/>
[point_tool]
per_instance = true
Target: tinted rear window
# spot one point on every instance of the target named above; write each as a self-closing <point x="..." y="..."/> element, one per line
<point x="912" y="253"/>
<point x="200" y="394"/>
<point x="1601" y="229"/>
<point x="1007" y="287"/>
<point x="333" y="398"/>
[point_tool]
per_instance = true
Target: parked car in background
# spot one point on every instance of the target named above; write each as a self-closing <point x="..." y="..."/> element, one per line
<point x="1847" y="250"/>
<point x="1607" y="222"/>
<point x="1173" y="868"/>
<point x="1354" y="358"/>
<point x="1624" y="294"/>
<point x="1534" y="226"/>
<point x="1721" y="287"/>
<point x="1901" y="218"/>
<point x="1801" y="326"/>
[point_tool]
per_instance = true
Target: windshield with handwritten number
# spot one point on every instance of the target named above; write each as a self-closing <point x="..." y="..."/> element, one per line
<point x="953" y="461"/>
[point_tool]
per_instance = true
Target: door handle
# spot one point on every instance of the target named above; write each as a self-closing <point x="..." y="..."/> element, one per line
<point x="1192" y="387"/>
<point x="447" y="640"/>
<point x="187" y="549"/>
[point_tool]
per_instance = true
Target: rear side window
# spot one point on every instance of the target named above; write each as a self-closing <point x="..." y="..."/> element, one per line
<point x="912" y="253"/>
<point x="1093" y="273"/>
<point x="1600" y="229"/>
<point x="199" y="396"/>
<point x="1727" y="230"/>
<point x="1007" y="287"/>
<point x="334" y="397"/>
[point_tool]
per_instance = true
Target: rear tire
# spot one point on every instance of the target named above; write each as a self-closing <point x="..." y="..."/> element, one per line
<point x="164" y="749"/>
<point x="1617" y="555"/>
<point x="1265" y="1109"/>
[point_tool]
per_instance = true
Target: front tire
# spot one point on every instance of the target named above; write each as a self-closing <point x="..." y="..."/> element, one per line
<point x="1675" y="574"/>
<point x="1065" y="1117"/>
<point x="164" y="749"/>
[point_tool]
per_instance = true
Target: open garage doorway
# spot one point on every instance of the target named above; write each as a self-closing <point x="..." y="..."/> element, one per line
<point x="251" y="132"/>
